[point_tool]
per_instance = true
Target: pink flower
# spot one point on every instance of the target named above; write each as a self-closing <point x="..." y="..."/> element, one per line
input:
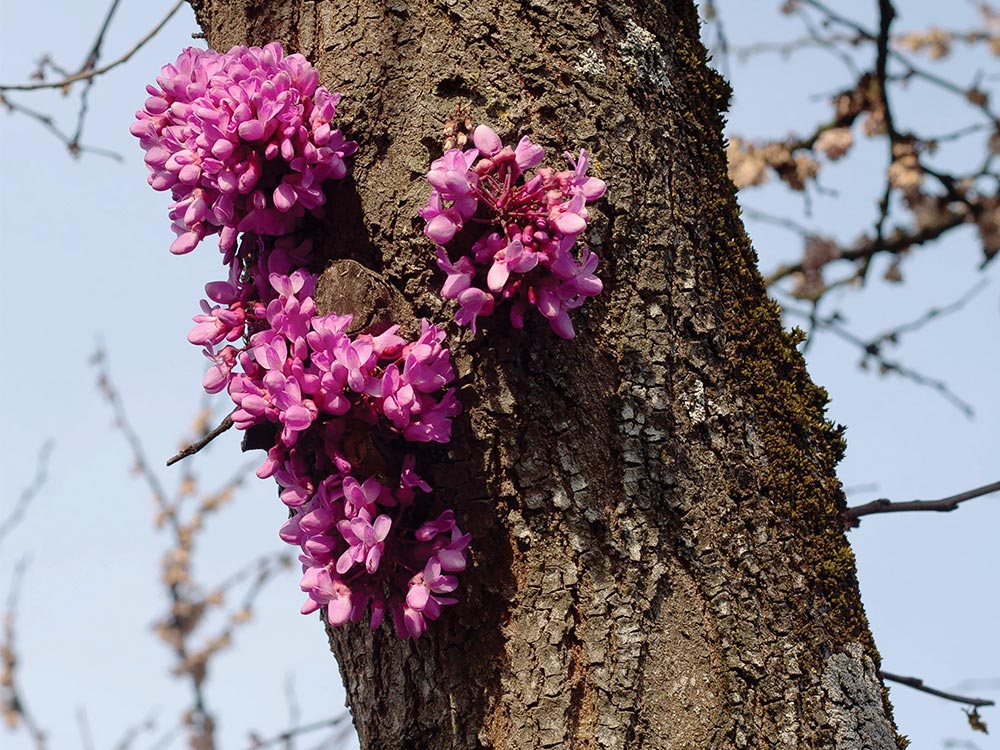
<point x="474" y="302"/>
<point x="218" y="121"/>
<point x="424" y="600"/>
<point x="529" y="226"/>
<point x="512" y="259"/>
<point x="459" y="274"/>
<point x="365" y="539"/>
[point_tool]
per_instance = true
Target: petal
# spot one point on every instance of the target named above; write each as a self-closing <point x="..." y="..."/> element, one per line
<point x="251" y="130"/>
<point x="382" y="525"/>
<point x="570" y="223"/>
<point x="417" y="597"/>
<point x="284" y="197"/>
<point x="185" y="243"/>
<point x="344" y="562"/>
<point x="440" y="229"/>
<point x="338" y="611"/>
<point x="497" y="276"/>
<point x="486" y="140"/>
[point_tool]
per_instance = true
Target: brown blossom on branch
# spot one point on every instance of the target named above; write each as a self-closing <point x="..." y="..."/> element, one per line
<point x="905" y="172"/>
<point x="747" y="165"/>
<point x="988" y="224"/>
<point x="935" y="42"/>
<point x="834" y="143"/>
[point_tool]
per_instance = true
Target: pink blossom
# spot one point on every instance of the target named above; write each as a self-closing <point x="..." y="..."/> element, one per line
<point x="529" y="225"/>
<point x="424" y="599"/>
<point x="473" y="303"/>
<point x="365" y="539"/>
<point x="244" y="143"/>
<point x="218" y="121"/>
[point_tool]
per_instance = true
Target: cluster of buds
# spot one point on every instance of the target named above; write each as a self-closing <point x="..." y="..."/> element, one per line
<point x="513" y="231"/>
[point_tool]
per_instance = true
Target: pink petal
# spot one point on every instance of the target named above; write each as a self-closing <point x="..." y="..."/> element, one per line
<point x="338" y="611"/>
<point x="440" y="229"/>
<point x="298" y="418"/>
<point x="185" y="243"/>
<point x="417" y="597"/>
<point x="486" y="140"/>
<point x="251" y="130"/>
<point x="497" y="277"/>
<point x="570" y="223"/>
<point x="284" y="197"/>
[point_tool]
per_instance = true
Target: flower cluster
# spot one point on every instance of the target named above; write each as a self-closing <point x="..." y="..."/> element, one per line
<point x="242" y="140"/>
<point x="304" y="367"/>
<point x="364" y="541"/>
<point x="523" y="226"/>
<point x="365" y="549"/>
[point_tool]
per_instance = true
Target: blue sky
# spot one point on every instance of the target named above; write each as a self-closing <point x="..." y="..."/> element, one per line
<point x="84" y="252"/>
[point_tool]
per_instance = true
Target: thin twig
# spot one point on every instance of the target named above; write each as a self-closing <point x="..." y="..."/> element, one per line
<point x="88" y="64"/>
<point x="286" y="735"/>
<point x="200" y="722"/>
<point x="262" y="565"/>
<point x="872" y="350"/>
<point x="133" y="733"/>
<point x="75" y="148"/>
<point x="166" y="739"/>
<point x="30" y="492"/>
<point x="892" y="336"/>
<point x="143" y="467"/>
<point x="197" y="445"/>
<point x="944" y="505"/>
<point x="11" y="699"/>
<point x="786" y="48"/>
<point x="779" y="221"/>
<point x="821" y="42"/>
<point x="83" y="724"/>
<point x="294" y="711"/>
<point x="84" y="75"/>
<point x="912" y="69"/>
<point x="899" y="241"/>
<point x="918" y="684"/>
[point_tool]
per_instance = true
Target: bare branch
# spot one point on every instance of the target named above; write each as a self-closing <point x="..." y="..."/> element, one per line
<point x="257" y="744"/>
<point x="30" y="492"/>
<point x="918" y="684"/>
<point x="944" y="505"/>
<point x="83" y="725"/>
<point x="197" y="445"/>
<point x="88" y="64"/>
<point x="166" y="739"/>
<point x="294" y="712"/>
<point x="893" y="335"/>
<point x="886" y="15"/>
<point x="142" y="465"/>
<point x="133" y="733"/>
<point x="86" y="73"/>
<point x="912" y="69"/>
<point x="872" y="350"/>
<point x="12" y="703"/>
<point x="899" y="241"/>
<point x="75" y="148"/>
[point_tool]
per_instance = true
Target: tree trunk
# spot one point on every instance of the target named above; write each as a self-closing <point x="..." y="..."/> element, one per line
<point x="658" y="558"/>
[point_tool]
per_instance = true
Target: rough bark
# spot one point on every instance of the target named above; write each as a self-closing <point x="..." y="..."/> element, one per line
<point x="658" y="556"/>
